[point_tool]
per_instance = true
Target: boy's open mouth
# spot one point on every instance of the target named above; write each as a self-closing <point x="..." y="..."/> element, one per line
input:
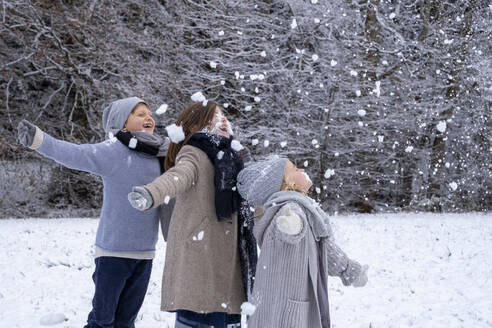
<point x="148" y="125"/>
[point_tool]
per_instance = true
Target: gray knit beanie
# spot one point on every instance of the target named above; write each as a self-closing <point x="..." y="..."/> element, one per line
<point x="260" y="180"/>
<point x="116" y="114"/>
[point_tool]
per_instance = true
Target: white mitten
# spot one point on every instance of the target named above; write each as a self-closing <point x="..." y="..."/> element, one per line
<point x="362" y="280"/>
<point x="289" y="223"/>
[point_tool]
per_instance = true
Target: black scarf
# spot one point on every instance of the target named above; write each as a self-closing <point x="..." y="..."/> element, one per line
<point x="144" y="142"/>
<point x="227" y="164"/>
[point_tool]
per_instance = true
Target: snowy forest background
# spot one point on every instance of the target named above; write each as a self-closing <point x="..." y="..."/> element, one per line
<point x="386" y="103"/>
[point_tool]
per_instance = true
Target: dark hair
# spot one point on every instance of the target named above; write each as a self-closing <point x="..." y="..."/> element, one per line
<point x="192" y="119"/>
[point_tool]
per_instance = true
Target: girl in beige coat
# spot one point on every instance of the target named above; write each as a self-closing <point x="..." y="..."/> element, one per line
<point x="204" y="275"/>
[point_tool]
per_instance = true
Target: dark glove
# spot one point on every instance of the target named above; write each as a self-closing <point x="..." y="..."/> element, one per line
<point x="26" y="131"/>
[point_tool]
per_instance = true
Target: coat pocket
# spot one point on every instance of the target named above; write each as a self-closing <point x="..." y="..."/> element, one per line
<point x="295" y="314"/>
<point x="197" y="233"/>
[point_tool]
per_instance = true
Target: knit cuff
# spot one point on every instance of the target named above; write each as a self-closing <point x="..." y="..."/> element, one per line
<point x="38" y="139"/>
<point x="155" y="194"/>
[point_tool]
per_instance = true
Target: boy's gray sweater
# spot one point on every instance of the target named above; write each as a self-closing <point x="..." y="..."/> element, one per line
<point x="123" y="231"/>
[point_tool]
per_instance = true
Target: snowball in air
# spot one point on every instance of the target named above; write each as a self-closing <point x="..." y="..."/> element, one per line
<point x="236" y="145"/>
<point x="283" y="144"/>
<point x="266" y="143"/>
<point x="333" y="63"/>
<point x="315" y="57"/>
<point x="329" y="173"/>
<point x="392" y="15"/>
<point x="378" y="88"/>
<point x="453" y="186"/>
<point x="254" y="142"/>
<point x="162" y="109"/>
<point x="293" y="25"/>
<point x="263" y="53"/>
<point x="361" y="112"/>
<point x="248" y="108"/>
<point x="357" y="93"/>
<point x="409" y="149"/>
<point x="175" y="133"/>
<point x="441" y="126"/>
<point x="213" y="64"/>
<point x="198" y="96"/>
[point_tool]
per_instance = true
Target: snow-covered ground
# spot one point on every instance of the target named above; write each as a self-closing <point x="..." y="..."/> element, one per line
<point x="426" y="270"/>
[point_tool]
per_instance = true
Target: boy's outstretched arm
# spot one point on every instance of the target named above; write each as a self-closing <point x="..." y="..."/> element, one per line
<point x="91" y="158"/>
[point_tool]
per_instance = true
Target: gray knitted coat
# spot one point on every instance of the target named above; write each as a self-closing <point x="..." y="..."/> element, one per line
<point x="286" y="282"/>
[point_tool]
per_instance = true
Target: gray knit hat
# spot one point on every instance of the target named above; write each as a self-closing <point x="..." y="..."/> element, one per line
<point x="260" y="180"/>
<point x="116" y="114"/>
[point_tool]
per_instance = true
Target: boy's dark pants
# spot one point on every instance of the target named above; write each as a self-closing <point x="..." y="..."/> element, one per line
<point x="121" y="285"/>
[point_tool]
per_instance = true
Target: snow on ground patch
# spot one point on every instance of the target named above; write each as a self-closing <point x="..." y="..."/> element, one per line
<point x="425" y="270"/>
<point x="52" y="319"/>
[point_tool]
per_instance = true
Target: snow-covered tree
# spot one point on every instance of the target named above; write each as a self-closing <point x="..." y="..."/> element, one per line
<point x="385" y="103"/>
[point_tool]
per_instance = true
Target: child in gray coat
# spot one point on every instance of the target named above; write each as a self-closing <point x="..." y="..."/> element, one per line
<point x="298" y="251"/>
<point x="126" y="237"/>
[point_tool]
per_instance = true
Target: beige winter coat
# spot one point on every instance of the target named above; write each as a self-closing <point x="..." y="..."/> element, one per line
<point x="202" y="270"/>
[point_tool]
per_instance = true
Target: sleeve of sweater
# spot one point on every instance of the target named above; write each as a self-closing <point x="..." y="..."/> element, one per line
<point x="92" y="158"/>
<point x="178" y="179"/>
<point x="339" y="264"/>
<point x="290" y="224"/>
